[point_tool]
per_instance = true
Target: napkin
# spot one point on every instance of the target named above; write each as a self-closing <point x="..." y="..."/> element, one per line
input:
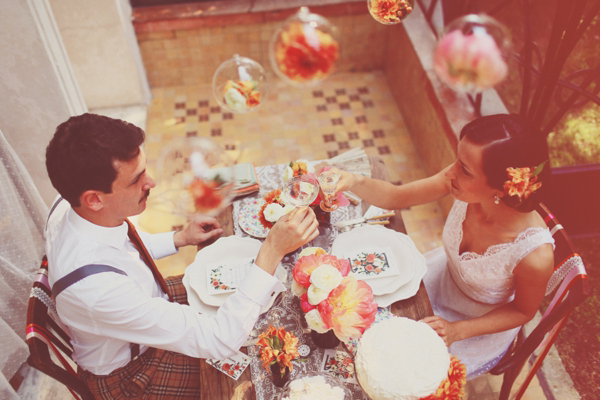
<point x="232" y="367"/>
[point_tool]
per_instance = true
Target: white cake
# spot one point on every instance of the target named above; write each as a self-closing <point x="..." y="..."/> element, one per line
<point x="401" y="359"/>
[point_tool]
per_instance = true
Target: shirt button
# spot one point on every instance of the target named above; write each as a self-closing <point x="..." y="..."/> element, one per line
<point x="272" y="294"/>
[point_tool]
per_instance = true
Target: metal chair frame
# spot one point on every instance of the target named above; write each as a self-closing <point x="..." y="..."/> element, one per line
<point x="569" y="287"/>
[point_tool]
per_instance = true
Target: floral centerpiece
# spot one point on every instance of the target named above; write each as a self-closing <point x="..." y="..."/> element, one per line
<point x="241" y="95"/>
<point x="273" y="209"/>
<point x="277" y="348"/>
<point x="470" y="59"/>
<point x="390" y="11"/>
<point x="305" y="54"/>
<point x="453" y="387"/>
<point x="332" y="299"/>
<point x="297" y="168"/>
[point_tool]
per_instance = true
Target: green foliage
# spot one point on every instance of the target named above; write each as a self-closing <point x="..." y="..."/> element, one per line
<point x="576" y="140"/>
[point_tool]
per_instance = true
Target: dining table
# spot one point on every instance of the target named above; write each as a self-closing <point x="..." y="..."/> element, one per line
<point x="217" y="385"/>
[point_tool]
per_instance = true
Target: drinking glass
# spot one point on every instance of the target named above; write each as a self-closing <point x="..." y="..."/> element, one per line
<point x="300" y="190"/>
<point x="328" y="180"/>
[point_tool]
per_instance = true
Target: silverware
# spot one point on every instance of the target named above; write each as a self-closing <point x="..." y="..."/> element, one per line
<point x="350" y="227"/>
<point x="361" y="220"/>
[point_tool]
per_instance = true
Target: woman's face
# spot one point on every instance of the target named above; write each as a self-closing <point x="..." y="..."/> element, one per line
<point x="468" y="182"/>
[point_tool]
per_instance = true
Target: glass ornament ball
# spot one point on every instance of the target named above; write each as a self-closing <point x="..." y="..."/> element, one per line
<point x="304" y="49"/>
<point x="240" y="85"/>
<point x="472" y="54"/>
<point x="390" y="12"/>
<point x="194" y="176"/>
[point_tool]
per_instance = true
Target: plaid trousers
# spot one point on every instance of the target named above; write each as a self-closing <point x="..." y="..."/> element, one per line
<point x="156" y="374"/>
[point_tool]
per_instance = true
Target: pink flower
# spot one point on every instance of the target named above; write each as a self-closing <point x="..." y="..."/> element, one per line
<point x="349" y="310"/>
<point x="469" y="62"/>
<point x="305" y="266"/>
<point x="305" y="305"/>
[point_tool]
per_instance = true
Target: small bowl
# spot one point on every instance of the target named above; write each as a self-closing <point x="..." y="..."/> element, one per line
<point x="330" y="379"/>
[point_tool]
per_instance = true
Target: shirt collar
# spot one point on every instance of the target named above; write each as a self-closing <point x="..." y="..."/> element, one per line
<point x="111" y="236"/>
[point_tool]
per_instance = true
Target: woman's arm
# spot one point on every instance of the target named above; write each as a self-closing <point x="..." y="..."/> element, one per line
<point x="389" y="196"/>
<point x="532" y="275"/>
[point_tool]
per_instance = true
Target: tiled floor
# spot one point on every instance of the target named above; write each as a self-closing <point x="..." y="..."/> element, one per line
<point x="348" y="110"/>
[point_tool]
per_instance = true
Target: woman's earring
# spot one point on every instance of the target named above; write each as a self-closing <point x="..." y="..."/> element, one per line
<point x="496" y="199"/>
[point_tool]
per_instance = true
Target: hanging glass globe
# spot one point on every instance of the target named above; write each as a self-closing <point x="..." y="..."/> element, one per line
<point x="194" y="176"/>
<point x="304" y="49"/>
<point x="390" y="12"/>
<point x="472" y="55"/>
<point x="240" y="84"/>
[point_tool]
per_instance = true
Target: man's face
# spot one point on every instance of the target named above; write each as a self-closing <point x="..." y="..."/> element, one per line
<point x="131" y="188"/>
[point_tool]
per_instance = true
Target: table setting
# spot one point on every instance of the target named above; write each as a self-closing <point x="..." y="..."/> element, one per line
<point x="377" y="265"/>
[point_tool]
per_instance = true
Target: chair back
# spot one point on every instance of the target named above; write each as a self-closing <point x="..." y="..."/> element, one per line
<point x="49" y="344"/>
<point x="567" y="288"/>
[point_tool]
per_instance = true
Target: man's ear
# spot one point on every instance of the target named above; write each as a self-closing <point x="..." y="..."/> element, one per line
<point x="92" y="200"/>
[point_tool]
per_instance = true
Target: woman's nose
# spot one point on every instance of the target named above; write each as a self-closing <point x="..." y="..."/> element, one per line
<point x="451" y="172"/>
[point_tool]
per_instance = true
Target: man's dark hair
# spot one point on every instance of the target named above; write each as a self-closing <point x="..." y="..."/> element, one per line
<point x="508" y="141"/>
<point x="82" y="153"/>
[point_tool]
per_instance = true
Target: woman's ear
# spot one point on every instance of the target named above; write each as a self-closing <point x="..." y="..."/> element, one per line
<point x="91" y="200"/>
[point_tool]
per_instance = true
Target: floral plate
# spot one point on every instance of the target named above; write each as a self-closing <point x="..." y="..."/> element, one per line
<point x="248" y="218"/>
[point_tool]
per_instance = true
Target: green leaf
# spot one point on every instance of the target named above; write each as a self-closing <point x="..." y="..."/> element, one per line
<point x="276" y="343"/>
<point x="539" y="168"/>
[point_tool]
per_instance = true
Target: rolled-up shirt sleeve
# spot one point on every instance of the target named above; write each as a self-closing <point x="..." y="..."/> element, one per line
<point x="159" y="245"/>
<point x="125" y="312"/>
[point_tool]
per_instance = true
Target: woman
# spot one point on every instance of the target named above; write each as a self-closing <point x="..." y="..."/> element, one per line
<point x="490" y="278"/>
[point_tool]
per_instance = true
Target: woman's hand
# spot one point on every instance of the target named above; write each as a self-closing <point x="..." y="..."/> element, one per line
<point x="200" y="229"/>
<point x="289" y="233"/>
<point x="446" y="330"/>
<point x="347" y="179"/>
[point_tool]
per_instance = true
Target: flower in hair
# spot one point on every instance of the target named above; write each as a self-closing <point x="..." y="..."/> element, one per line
<point x="523" y="182"/>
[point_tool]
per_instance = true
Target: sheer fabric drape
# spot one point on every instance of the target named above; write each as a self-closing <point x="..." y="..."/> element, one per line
<point x="22" y="218"/>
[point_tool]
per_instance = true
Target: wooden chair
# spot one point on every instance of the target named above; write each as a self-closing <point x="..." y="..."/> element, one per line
<point x="568" y="286"/>
<point x="49" y="345"/>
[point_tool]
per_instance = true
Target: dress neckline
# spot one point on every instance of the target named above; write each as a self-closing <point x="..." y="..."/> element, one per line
<point x="494" y="248"/>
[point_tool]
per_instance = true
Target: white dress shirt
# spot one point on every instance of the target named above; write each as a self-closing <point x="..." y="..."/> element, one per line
<point x="107" y="312"/>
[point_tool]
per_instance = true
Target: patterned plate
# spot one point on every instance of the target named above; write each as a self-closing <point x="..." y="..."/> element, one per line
<point x="248" y="218"/>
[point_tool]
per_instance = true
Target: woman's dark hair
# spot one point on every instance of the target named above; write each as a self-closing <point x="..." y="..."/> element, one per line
<point x="508" y="141"/>
<point x="82" y="152"/>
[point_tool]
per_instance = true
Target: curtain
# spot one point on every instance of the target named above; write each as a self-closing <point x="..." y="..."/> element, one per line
<point x="22" y="219"/>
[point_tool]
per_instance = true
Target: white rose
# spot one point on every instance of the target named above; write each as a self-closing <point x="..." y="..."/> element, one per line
<point x="297" y="289"/>
<point x="326" y="277"/>
<point x="273" y="212"/>
<point x="316" y="295"/>
<point x="235" y="100"/>
<point x="315" y="322"/>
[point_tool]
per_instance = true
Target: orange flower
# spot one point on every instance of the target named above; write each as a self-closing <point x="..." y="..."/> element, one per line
<point x="271" y="197"/>
<point x="522" y="183"/>
<point x="349" y="310"/>
<point x="248" y="97"/>
<point x="275" y="345"/>
<point x="306" y="54"/>
<point x="205" y="194"/>
<point x="390" y="11"/>
<point x="452" y="388"/>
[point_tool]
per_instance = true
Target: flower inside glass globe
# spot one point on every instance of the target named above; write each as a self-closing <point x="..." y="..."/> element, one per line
<point x="472" y="55"/>
<point x="194" y="176"/>
<point x="305" y="49"/>
<point x="240" y="84"/>
<point x="390" y="12"/>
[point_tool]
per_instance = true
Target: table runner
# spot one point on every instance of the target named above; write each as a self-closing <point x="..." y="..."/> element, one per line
<point x="286" y="311"/>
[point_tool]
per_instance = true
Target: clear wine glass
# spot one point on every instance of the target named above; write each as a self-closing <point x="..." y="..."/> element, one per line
<point x="300" y="190"/>
<point x="328" y="180"/>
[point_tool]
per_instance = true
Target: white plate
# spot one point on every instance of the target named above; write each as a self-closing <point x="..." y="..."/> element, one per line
<point x="225" y="249"/>
<point x="248" y="218"/>
<point x="404" y="252"/>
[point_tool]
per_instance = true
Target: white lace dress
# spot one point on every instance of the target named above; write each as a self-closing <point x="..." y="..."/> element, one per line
<point x="468" y="285"/>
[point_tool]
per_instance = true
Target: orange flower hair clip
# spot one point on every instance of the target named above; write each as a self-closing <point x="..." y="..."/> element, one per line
<point x="523" y="182"/>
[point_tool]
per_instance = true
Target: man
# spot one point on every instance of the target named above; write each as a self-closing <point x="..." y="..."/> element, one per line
<point x="106" y="286"/>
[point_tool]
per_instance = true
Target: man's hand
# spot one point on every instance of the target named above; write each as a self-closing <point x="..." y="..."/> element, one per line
<point x="289" y="233"/>
<point x="200" y="229"/>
